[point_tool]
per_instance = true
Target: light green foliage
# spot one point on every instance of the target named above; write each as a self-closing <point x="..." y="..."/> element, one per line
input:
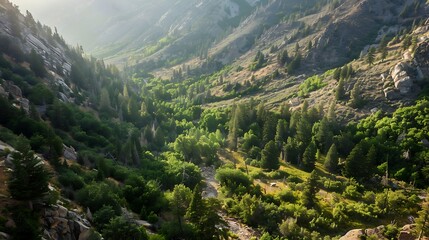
<point x="233" y="180"/>
<point x="311" y="84"/>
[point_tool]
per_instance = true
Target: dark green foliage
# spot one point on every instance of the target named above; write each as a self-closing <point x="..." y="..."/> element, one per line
<point x="235" y="181"/>
<point x="142" y="196"/>
<point x="294" y="65"/>
<point x="37" y="64"/>
<point x="121" y="228"/>
<point x="196" y="207"/>
<point x="324" y="135"/>
<point x="370" y="56"/>
<point x="258" y="62"/>
<point x="282" y="57"/>
<point x="340" y="90"/>
<point x="270" y="156"/>
<point x="356" y="99"/>
<point x="28" y="224"/>
<point x="356" y="164"/>
<point x="103" y="216"/>
<point x="309" y="157"/>
<point x="310" y="190"/>
<point x="97" y="195"/>
<point x="292" y="151"/>
<point x="269" y="129"/>
<point x="29" y="179"/>
<point x="41" y="95"/>
<point x="281" y="132"/>
<point x="331" y="161"/>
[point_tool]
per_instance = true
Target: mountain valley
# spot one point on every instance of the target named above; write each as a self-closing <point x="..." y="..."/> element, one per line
<point x="204" y="119"/>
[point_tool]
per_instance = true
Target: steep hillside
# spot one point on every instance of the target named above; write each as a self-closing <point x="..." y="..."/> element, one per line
<point x="234" y="119"/>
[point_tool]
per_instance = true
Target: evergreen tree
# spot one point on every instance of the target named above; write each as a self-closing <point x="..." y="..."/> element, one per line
<point x="29" y="179"/>
<point x="309" y="157"/>
<point x="356" y="100"/>
<point x="196" y="207"/>
<point x="310" y="190"/>
<point x="340" y="91"/>
<point x="270" y="156"/>
<point x="285" y="112"/>
<point x="331" y="162"/>
<point x="269" y="130"/>
<point x="303" y="131"/>
<point x="384" y="54"/>
<point x="331" y="112"/>
<point x="291" y="151"/>
<point x="281" y="132"/>
<point x="179" y="202"/>
<point x="344" y="72"/>
<point x="355" y="165"/>
<point x="370" y="57"/>
<point x="282" y="57"/>
<point x="337" y="73"/>
<point x="324" y="135"/>
<point x="37" y="64"/>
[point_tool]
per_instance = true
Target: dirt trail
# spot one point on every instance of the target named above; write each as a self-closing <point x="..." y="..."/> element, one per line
<point x="210" y="191"/>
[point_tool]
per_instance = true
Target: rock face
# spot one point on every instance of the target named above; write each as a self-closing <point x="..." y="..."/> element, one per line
<point x="61" y="223"/>
<point x="69" y="153"/>
<point x="401" y="77"/>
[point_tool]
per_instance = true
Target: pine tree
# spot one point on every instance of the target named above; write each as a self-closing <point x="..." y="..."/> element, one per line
<point x="370" y="56"/>
<point x="281" y="132"/>
<point x="324" y="135"/>
<point x="310" y="190"/>
<point x="303" y="131"/>
<point x="269" y="129"/>
<point x="309" y="157"/>
<point x="355" y="96"/>
<point x="383" y="53"/>
<point x="196" y="207"/>
<point x="282" y="57"/>
<point x="331" y="162"/>
<point x="291" y="151"/>
<point x="29" y="179"/>
<point x="340" y="91"/>
<point x="270" y="156"/>
<point x="355" y="165"/>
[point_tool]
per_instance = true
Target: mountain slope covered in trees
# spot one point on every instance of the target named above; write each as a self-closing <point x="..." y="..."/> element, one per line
<point x="298" y="128"/>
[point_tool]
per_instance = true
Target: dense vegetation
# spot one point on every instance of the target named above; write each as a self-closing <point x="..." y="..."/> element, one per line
<point x="142" y="142"/>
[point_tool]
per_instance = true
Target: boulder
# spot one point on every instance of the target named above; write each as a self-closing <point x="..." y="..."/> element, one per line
<point x="4" y="236"/>
<point x="14" y="90"/>
<point x="62" y="212"/>
<point x="354" y="234"/>
<point x="378" y="232"/>
<point x="69" y="153"/>
<point x="391" y="93"/>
